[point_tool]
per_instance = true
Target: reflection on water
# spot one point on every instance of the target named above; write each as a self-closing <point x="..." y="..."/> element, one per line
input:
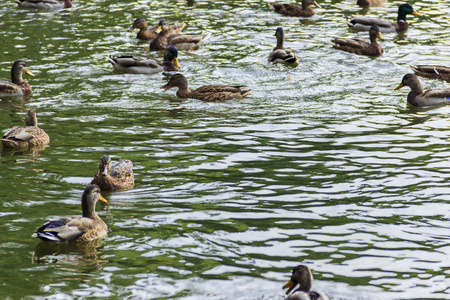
<point x="323" y="164"/>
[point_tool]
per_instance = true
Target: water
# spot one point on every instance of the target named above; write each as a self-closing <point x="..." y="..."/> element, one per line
<point x="323" y="164"/>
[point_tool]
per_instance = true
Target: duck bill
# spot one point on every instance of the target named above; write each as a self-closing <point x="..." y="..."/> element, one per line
<point x="176" y="63"/>
<point x="379" y="35"/>
<point x="316" y="5"/>
<point x="105" y="171"/>
<point x="416" y="13"/>
<point x="399" y="86"/>
<point x="158" y="30"/>
<point x="29" y="73"/>
<point x="103" y="199"/>
<point x="132" y="28"/>
<point x="166" y="87"/>
<point x="290" y="286"/>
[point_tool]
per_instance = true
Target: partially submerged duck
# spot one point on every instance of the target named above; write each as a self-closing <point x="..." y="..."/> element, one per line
<point x="77" y="229"/>
<point x="417" y="97"/>
<point x="280" y="54"/>
<point x="370" y="2"/>
<point x="185" y="41"/>
<point x="147" y="34"/>
<point x="295" y="10"/>
<point x="146" y="65"/>
<point x="16" y="86"/>
<point x="359" y="46"/>
<point x="216" y="92"/>
<point x="114" y="175"/>
<point x="364" y="24"/>
<point x="45" y="4"/>
<point x="302" y="276"/>
<point x="26" y="136"/>
<point x="433" y="71"/>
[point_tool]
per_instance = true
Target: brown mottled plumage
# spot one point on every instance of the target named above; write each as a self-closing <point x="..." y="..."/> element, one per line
<point x="302" y="275"/>
<point x="359" y="46"/>
<point x="295" y="10"/>
<point x="417" y="97"/>
<point x="281" y="54"/>
<point x="25" y="136"/>
<point x="370" y="2"/>
<point x="76" y="229"/>
<point x="16" y="86"/>
<point x="433" y="71"/>
<point x="216" y="92"/>
<point x="45" y="4"/>
<point x="114" y="176"/>
<point x="147" y="34"/>
<point x="185" y="41"/>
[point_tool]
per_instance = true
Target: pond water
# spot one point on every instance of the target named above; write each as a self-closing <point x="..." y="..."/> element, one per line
<point x="323" y="164"/>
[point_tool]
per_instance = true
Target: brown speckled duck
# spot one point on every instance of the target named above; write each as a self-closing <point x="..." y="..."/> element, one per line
<point x="146" y="65"/>
<point x="216" y="92"/>
<point x="281" y="54"/>
<point x="295" y="10"/>
<point x="185" y="41"/>
<point x="26" y="136"/>
<point x="114" y="176"/>
<point x="302" y="276"/>
<point x="417" y="97"/>
<point x="359" y="46"/>
<point x="147" y="34"/>
<point x="45" y="4"/>
<point x="433" y="71"/>
<point x="370" y="2"/>
<point x="77" y="229"/>
<point x="364" y="24"/>
<point x="16" y="86"/>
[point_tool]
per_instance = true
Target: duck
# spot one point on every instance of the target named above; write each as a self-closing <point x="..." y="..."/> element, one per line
<point x="370" y="2"/>
<point x="114" y="175"/>
<point x="364" y="24"/>
<point x="186" y="41"/>
<point x="146" y="65"/>
<point x="295" y="10"/>
<point x="147" y="34"/>
<point x="216" y="92"/>
<point x="16" y="86"/>
<point x="433" y="71"/>
<point x="359" y="46"/>
<point x="280" y="54"/>
<point x="26" y="136"/>
<point x="417" y="97"/>
<point x="86" y="228"/>
<point x="45" y="4"/>
<point x="302" y="276"/>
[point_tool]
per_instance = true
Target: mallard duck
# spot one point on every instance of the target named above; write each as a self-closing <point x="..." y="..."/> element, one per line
<point x="359" y="46"/>
<point x="280" y="54"/>
<point x="216" y="92"/>
<point x="295" y="10"/>
<point x="45" y="4"/>
<point x="77" y="229"/>
<point x="185" y="41"/>
<point x="146" y="65"/>
<point x="26" y="136"/>
<point x="16" y="86"/>
<point x="114" y="176"/>
<point x="431" y="71"/>
<point x="370" y="2"/>
<point x="417" y="97"/>
<point x="364" y="24"/>
<point x="302" y="275"/>
<point x="149" y="34"/>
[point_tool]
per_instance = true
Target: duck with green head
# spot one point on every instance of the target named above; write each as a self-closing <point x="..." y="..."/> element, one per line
<point x="364" y="24"/>
<point x="281" y="54"/>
